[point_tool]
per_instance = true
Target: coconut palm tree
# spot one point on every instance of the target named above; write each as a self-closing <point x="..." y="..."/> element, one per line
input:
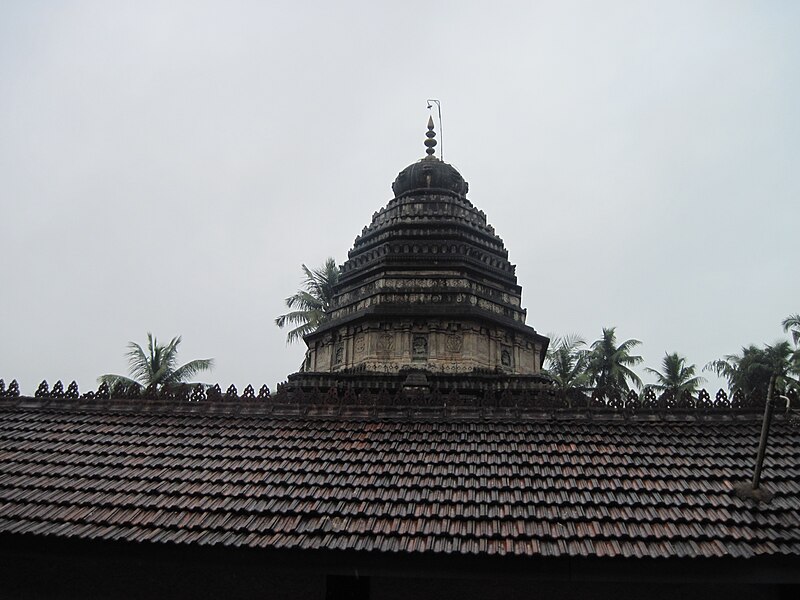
<point x="676" y="377"/>
<point x="310" y="305"/>
<point x="609" y="364"/>
<point x="566" y="365"/>
<point x="791" y="324"/>
<point x="156" y="365"/>
<point x="750" y="371"/>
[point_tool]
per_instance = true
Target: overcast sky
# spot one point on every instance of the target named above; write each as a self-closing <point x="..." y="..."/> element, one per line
<point x="167" y="166"/>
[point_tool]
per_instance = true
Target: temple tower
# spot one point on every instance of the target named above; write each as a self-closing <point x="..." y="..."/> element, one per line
<point x="427" y="286"/>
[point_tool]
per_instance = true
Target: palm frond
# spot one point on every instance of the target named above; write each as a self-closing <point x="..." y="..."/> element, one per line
<point x="155" y="365"/>
<point x="114" y="380"/>
<point x="300" y="332"/>
<point x="792" y="324"/>
<point x="312" y="317"/>
<point x="629" y="375"/>
<point x="628" y="345"/>
<point x="694" y="382"/>
<point x="170" y="353"/>
<point x="721" y="367"/>
<point x="654" y="372"/>
<point x="310" y="305"/>
<point x="304" y="301"/>
<point x="139" y="362"/>
<point x="185" y="372"/>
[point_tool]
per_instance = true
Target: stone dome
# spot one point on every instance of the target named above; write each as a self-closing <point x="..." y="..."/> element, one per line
<point x="430" y="175"/>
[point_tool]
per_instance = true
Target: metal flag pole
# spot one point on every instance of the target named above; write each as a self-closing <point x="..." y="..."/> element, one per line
<point x="441" y="133"/>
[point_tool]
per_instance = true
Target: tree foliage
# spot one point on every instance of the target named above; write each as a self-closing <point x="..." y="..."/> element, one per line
<point x="156" y="365"/>
<point x="607" y="366"/>
<point x="566" y="365"/>
<point x="676" y="376"/>
<point x="791" y="324"/>
<point x="750" y="371"/>
<point x="610" y="364"/>
<point x="310" y="306"/>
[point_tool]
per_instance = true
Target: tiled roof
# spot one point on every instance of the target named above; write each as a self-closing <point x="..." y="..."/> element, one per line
<point x="236" y="474"/>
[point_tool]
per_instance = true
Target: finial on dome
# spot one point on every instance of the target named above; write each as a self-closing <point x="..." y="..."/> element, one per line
<point x="430" y="143"/>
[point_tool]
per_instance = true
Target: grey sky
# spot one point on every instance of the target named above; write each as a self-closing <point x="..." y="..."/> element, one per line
<point x="166" y="167"/>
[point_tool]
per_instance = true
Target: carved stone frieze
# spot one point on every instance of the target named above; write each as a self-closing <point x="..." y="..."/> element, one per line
<point x="360" y="296"/>
<point x="454" y="343"/>
<point x="420" y="347"/>
<point x="386" y="343"/>
<point x="359" y="345"/>
<point x="339" y="354"/>
<point x="506" y="356"/>
<point x="442" y="345"/>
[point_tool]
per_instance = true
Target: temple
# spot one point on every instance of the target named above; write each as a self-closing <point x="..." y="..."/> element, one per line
<point x="427" y="297"/>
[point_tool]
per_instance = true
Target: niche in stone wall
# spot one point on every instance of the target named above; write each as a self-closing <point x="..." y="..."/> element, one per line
<point x="359" y="345"/>
<point x="419" y="347"/>
<point x="506" y="356"/>
<point x="385" y="341"/>
<point x="339" y="354"/>
<point x="454" y="343"/>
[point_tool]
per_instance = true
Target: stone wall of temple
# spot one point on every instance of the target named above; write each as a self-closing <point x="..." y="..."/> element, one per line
<point x="439" y="345"/>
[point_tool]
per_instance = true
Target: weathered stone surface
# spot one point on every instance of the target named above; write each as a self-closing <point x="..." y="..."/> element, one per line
<point x="452" y="346"/>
